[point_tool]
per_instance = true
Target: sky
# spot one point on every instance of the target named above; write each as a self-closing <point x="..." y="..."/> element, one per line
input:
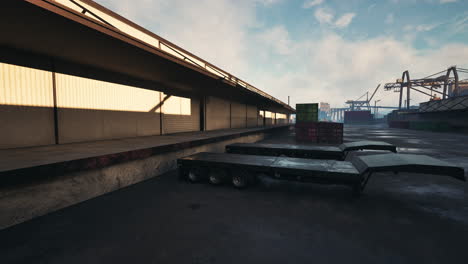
<point x="313" y="50"/>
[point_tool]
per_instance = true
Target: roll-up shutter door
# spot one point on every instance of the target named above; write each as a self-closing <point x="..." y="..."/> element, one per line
<point x="217" y="113"/>
<point x="180" y="114"/>
<point x="238" y="115"/>
<point x="251" y="116"/>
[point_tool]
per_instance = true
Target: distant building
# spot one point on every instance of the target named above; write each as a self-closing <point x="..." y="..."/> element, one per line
<point x="325" y="107"/>
<point x="325" y="111"/>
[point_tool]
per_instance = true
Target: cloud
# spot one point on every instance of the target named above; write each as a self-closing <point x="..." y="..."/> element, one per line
<point x="268" y="2"/>
<point x="461" y="24"/>
<point x="277" y="38"/>
<point x="311" y="3"/>
<point x="334" y="69"/>
<point x="420" y="28"/>
<point x="447" y="1"/>
<point x="389" y="19"/>
<point x="324" y="15"/>
<point x="344" y="20"/>
<point x="216" y="30"/>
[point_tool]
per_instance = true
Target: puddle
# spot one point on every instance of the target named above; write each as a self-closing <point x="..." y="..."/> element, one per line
<point x="352" y="135"/>
<point x="416" y="141"/>
<point x="387" y="136"/>
<point x="416" y="150"/>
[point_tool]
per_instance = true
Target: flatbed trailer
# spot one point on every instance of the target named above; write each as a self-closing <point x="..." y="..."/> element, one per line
<point x="242" y="170"/>
<point x="308" y="151"/>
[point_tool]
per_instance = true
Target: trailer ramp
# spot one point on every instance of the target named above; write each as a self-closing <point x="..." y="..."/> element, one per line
<point x="367" y="145"/>
<point x="409" y="163"/>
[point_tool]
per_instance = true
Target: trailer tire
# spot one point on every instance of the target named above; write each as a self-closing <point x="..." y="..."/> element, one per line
<point x="217" y="176"/>
<point x="240" y="179"/>
<point x="195" y="175"/>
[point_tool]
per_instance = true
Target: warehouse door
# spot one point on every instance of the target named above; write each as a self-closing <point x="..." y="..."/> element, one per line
<point x="217" y="113"/>
<point x="180" y="114"/>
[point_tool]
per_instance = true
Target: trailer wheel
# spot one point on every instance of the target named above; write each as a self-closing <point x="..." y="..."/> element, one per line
<point x="217" y="176"/>
<point x="195" y="175"/>
<point x="240" y="179"/>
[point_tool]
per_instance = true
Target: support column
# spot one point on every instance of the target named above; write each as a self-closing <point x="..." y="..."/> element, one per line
<point x="54" y="91"/>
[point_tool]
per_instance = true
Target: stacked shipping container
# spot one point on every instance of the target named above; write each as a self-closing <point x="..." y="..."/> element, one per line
<point x="308" y="129"/>
<point x="306" y="113"/>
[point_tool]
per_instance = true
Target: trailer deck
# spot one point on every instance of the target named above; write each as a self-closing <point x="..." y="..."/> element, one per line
<point x="242" y="169"/>
<point x="308" y="151"/>
<point x="409" y="163"/>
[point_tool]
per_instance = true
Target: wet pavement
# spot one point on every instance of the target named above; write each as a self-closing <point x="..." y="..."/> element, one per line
<point x="404" y="218"/>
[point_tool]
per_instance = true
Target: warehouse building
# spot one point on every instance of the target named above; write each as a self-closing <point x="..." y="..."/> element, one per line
<point x="80" y="85"/>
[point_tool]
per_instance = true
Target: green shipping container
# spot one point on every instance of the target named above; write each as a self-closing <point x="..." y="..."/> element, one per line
<point x="306" y="117"/>
<point x="307" y="108"/>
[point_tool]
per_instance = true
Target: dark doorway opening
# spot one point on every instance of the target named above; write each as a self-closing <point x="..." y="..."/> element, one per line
<point x="202" y="113"/>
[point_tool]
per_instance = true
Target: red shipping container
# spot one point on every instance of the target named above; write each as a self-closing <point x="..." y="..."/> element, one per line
<point x="320" y="132"/>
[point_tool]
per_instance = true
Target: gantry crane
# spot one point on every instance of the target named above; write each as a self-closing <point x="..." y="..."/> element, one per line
<point x="360" y="104"/>
<point x="428" y="85"/>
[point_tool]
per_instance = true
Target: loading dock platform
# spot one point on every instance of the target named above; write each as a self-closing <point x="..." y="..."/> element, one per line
<point x="39" y="180"/>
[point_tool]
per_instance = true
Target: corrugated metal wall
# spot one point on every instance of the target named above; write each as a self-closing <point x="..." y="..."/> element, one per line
<point x="251" y="116"/>
<point x="180" y="114"/>
<point x="89" y="110"/>
<point x="238" y="115"/>
<point x="95" y="110"/>
<point x="26" y="107"/>
<point x="217" y="113"/>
